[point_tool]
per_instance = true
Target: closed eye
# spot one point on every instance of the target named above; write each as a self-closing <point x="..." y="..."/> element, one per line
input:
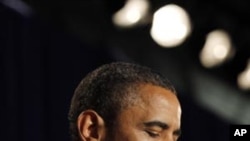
<point x="153" y="134"/>
<point x="153" y="128"/>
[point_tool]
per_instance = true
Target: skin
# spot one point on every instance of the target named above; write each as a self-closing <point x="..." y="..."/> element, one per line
<point x="156" y="116"/>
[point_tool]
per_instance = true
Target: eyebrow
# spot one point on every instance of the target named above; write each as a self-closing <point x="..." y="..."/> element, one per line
<point x="156" y="123"/>
<point x="161" y="125"/>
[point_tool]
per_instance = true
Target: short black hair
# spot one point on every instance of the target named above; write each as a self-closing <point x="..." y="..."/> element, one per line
<point x="108" y="89"/>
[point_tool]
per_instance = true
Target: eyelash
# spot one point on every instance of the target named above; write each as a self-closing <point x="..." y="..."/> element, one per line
<point x="151" y="134"/>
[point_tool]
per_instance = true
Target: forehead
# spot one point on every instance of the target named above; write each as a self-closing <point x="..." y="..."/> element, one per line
<point x="154" y="103"/>
<point x="157" y="98"/>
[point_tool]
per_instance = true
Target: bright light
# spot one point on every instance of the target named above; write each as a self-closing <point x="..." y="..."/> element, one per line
<point x="244" y="78"/>
<point x="133" y="12"/>
<point x="217" y="49"/>
<point x="171" y="26"/>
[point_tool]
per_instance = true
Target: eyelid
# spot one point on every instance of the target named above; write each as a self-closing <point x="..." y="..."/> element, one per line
<point x="153" y="133"/>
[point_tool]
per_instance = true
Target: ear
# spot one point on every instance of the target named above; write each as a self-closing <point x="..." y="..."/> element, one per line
<point x="90" y="126"/>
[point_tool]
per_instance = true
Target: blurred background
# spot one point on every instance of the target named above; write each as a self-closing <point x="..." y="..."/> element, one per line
<point x="48" y="46"/>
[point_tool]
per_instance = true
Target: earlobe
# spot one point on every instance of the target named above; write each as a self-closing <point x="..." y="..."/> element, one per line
<point x="90" y="126"/>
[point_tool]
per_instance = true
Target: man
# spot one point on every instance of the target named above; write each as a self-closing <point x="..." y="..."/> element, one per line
<point x="124" y="102"/>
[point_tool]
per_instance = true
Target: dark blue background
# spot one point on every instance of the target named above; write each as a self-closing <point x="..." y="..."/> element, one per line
<point x="40" y="66"/>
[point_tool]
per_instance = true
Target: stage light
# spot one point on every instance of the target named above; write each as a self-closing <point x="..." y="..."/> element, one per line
<point x="217" y="49"/>
<point x="134" y="12"/>
<point x="244" y="78"/>
<point x="19" y="6"/>
<point x="171" y="26"/>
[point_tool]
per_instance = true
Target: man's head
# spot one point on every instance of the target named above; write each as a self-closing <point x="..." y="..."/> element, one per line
<point x="123" y="101"/>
